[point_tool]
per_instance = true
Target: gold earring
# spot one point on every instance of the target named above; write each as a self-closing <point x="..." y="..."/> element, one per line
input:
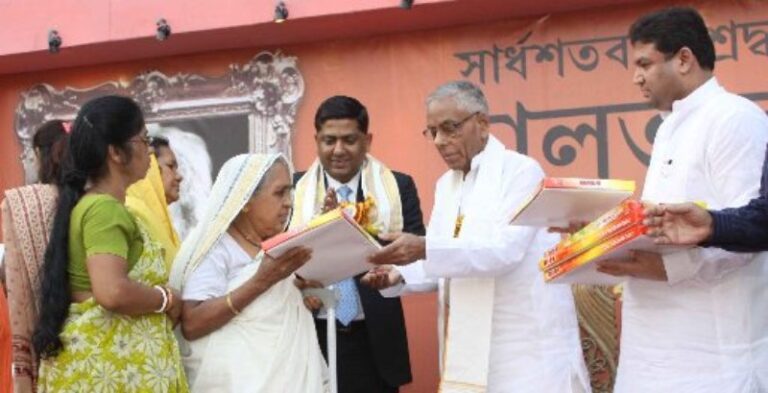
<point x="245" y="209"/>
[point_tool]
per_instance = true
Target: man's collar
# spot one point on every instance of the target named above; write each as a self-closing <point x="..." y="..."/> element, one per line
<point x="335" y="184"/>
<point x="697" y="97"/>
<point x="478" y="158"/>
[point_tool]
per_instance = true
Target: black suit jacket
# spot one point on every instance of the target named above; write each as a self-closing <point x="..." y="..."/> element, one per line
<point x="745" y="228"/>
<point x="384" y="316"/>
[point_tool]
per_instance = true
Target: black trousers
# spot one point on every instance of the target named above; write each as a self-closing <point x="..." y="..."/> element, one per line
<point x="355" y="366"/>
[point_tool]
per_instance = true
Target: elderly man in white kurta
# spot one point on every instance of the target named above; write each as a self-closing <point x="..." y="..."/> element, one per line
<point x="694" y="320"/>
<point x="506" y="330"/>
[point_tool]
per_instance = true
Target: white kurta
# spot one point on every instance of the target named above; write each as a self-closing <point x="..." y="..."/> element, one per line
<point x="534" y="344"/>
<point x="706" y="330"/>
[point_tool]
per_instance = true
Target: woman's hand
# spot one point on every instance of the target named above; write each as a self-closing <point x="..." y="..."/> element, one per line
<point x="274" y="270"/>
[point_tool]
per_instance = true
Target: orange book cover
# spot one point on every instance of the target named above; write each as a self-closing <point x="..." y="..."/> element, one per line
<point x="616" y="247"/>
<point x="629" y="213"/>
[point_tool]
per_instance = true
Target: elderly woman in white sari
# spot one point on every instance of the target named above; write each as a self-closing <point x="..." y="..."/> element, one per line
<point x="244" y="321"/>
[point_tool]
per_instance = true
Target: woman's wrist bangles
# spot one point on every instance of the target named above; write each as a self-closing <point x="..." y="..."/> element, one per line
<point x="230" y="305"/>
<point x="167" y="299"/>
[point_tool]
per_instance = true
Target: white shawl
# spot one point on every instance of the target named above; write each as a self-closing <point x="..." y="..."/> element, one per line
<point x="378" y="181"/>
<point x="467" y="338"/>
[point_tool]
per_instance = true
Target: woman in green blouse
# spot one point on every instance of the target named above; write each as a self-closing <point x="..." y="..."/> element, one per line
<point x="106" y="317"/>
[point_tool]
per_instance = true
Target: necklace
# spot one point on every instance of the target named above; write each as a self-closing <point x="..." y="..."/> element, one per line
<point x="246" y="237"/>
<point x="457" y="225"/>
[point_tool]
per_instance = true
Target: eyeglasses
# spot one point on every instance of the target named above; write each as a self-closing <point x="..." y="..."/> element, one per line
<point x="145" y="139"/>
<point x="448" y="128"/>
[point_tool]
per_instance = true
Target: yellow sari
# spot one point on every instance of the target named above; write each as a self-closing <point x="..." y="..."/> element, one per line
<point x="108" y="352"/>
<point x="146" y="200"/>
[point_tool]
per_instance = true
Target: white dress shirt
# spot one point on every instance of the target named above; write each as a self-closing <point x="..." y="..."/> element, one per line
<point x="706" y="330"/>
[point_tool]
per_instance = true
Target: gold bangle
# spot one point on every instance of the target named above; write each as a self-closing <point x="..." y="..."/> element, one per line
<point x="231" y="306"/>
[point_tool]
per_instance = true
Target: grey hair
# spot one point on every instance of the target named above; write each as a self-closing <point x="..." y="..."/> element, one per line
<point x="466" y="95"/>
<point x="262" y="182"/>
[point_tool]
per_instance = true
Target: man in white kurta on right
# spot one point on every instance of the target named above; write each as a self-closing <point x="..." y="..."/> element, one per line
<point x="505" y="329"/>
<point x="694" y="321"/>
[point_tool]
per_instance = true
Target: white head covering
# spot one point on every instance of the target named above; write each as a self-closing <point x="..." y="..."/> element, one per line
<point x="234" y="186"/>
<point x="234" y="355"/>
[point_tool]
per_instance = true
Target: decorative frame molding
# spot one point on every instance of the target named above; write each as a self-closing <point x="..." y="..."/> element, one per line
<point x="267" y="89"/>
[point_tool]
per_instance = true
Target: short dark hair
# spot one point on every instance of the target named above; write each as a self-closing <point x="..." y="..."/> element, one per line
<point x="159" y="142"/>
<point x="342" y="107"/>
<point x="50" y="142"/>
<point x="671" y="29"/>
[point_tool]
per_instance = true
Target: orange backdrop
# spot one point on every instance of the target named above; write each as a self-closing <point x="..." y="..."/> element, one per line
<point x="559" y="89"/>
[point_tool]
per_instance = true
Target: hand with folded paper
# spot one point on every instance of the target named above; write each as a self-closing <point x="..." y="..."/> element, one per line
<point x="340" y="247"/>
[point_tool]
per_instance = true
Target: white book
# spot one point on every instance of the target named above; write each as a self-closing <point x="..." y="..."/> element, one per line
<point x="340" y="247"/>
<point x="559" y="201"/>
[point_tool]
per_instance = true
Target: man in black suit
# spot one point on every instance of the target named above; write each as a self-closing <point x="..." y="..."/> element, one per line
<point x="372" y="347"/>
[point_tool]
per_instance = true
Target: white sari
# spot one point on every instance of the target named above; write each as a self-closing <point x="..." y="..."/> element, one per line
<point x="271" y="346"/>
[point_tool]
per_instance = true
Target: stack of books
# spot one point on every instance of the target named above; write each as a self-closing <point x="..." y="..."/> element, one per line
<point x="612" y="235"/>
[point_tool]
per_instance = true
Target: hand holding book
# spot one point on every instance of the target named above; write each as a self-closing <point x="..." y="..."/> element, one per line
<point x="679" y="223"/>
<point x="404" y="249"/>
<point x="273" y="270"/>
<point x="640" y="264"/>
<point x="614" y="245"/>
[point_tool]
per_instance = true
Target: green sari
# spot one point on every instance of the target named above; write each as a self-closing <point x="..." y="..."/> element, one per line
<point x="108" y="352"/>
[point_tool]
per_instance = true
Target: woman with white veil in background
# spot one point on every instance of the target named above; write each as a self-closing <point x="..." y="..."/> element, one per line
<point x="195" y="166"/>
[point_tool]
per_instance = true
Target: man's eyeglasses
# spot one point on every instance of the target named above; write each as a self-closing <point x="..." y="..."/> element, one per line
<point x="448" y="128"/>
